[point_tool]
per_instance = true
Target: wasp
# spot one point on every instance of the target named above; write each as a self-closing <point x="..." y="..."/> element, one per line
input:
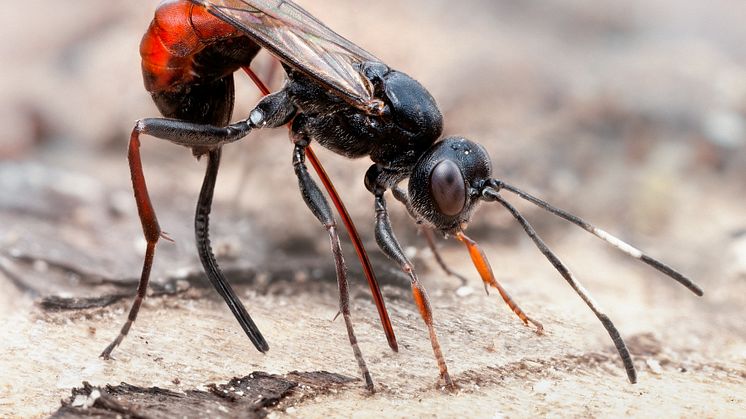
<point x="345" y="99"/>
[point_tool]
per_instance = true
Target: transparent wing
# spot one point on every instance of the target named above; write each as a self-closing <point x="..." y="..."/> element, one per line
<point x="301" y="41"/>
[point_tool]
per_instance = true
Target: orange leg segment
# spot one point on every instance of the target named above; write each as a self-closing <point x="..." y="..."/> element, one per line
<point x="480" y="261"/>
<point x="151" y="229"/>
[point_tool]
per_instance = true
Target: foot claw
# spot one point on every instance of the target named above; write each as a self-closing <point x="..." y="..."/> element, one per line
<point x="539" y="327"/>
<point x="369" y="383"/>
<point x="449" y="386"/>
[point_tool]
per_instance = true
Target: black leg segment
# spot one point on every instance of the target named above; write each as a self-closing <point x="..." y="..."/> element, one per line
<point x="388" y="243"/>
<point x="214" y="274"/>
<point x="429" y="234"/>
<point x="320" y="208"/>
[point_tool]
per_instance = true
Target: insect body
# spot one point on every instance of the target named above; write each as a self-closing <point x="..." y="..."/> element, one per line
<point x="348" y="101"/>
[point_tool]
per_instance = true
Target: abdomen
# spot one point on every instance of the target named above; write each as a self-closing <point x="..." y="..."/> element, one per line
<point x="188" y="58"/>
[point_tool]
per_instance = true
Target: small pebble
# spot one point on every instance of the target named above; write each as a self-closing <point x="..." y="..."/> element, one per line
<point x="542" y="386"/>
<point x="464" y="291"/>
<point x="655" y="366"/>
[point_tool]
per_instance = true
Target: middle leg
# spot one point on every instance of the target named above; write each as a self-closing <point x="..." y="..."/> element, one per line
<point x="319" y="206"/>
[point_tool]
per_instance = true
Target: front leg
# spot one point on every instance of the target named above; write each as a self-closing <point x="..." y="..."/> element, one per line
<point x="479" y="259"/>
<point x="319" y="206"/>
<point x="390" y="246"/>
<point x="429" y="234"/>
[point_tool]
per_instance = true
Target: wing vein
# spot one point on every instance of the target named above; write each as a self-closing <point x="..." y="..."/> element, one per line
<point x="302" y="42"/>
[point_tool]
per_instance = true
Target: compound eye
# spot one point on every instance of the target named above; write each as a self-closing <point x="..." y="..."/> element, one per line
<point x="447" y="188"/>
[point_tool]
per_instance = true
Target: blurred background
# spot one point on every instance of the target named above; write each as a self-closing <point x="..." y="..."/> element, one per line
<point x="630" y="114"/>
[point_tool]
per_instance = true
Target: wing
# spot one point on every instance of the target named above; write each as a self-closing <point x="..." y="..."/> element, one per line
<point x="301" y="41"/>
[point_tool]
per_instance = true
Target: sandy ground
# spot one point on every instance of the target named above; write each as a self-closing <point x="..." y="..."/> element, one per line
<point x="633" y="116"/>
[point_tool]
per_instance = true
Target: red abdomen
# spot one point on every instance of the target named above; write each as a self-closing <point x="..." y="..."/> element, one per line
<point x="185" y="44"/>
